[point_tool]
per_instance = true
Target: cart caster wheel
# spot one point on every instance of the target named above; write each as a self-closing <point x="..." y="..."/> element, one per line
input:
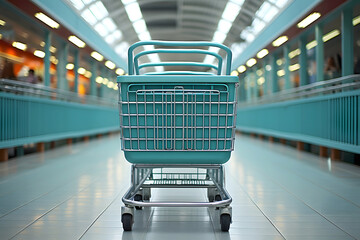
<point x="138" y="198"/>
<point x="217" y="198"/>
<point x="147" y="194"/>
<point x="225" y="220"/>
<point x="127" y="221"/>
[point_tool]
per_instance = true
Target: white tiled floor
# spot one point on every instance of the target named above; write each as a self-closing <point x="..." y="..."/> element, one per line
<point x="278" y="193"/>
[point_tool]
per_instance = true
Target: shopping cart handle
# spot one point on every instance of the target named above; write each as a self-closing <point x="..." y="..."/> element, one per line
<point x="133" y="61"/>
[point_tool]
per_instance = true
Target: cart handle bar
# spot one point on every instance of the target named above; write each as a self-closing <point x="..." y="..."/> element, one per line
<point x="178" y="44"/>
<point x="197" y="51"/>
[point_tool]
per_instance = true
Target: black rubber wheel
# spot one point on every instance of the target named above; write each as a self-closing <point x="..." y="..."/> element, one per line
<point x="127" y="221"/>
<point x="138" y="198"/>
<point x="217" y="198"/>
<point x="225" y="220"/>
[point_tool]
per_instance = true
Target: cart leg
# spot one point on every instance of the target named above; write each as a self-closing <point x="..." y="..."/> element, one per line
<point x="146" y="194"/>
<point x="127" y="218"/>
<point x="211" y="192"/>
<point x="225" y="218"/>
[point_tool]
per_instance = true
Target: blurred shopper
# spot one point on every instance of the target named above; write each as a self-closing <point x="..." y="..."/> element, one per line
<point x="31" y="78"/>
<point x="331" y="70"/>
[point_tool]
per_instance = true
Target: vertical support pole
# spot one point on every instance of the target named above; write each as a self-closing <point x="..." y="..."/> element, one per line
<point x="303" y="62"/>
<point x="319" y="53"/>
<point x="76" y="67"/>
<point x="323" y="151"/>
<point x="300" y="146"/>
<point x="47" y="59"/>
<point x="93" y="78"/>
<point x="286" y="68"/>
<point x="4" y="156"/>
<point x="267" y="77"/>
<point x="335" y="154"/>
<point x="248" y="86"/>
<point x="255" y="88"/>
<point x="347" y="45"/>
<point x="40" y="147"/>
<point x="242" y="88"/>
<point x="62" y="82"/>
<point x="274" y="77"/>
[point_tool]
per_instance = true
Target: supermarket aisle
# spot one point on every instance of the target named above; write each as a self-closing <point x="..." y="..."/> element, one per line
<point x="278" y="193"/>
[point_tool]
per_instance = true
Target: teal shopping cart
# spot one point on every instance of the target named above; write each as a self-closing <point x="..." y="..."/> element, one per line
<point x="177" y="127"/>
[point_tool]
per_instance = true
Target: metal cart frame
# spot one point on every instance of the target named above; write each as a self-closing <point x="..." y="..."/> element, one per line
<point x="158" y="133"/>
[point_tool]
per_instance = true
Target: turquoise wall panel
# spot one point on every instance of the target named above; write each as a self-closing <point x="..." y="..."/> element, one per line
<point x="331" y="121"/>
<point x="26" y="120"/>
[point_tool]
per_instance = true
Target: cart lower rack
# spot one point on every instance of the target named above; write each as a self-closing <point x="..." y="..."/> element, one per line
<point x="183" y="121"/>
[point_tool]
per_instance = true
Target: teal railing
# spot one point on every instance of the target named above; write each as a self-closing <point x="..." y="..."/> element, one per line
<point x="29" y="118"/>
<point x="325" y="114"/>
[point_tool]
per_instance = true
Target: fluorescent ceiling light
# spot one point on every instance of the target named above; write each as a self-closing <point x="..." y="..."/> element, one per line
<point x="89" y="16"/>
<point x="159" y="68"/>
<point x="144" y="36"/>
<point x="140" y="26"/>
<point x="88" y="74"/>
<point x="81" y="71"/>
<point x="356" y="20"/>
<point x="231" y="11"/>
<point x="2" y="22"/>
<point x="251" y="62"/>
<point x="75" y="40"/>
<point x="281" y="72"/>
<point x="105" y="81"/>
<point x="70" y="66"/>
<point x="45" y="19"/>
<point x="54" y="60"/>
<point x="279" y="62"/>
<point x="224" y="26"/>
<point x="294" y="67"/>
<point x="97" y="56"/>
<point x="241" y="69"/>
<point x="270" y="13"/>
<point x="279" y="41"/>
<point x="294" y="53"/>
<point x="110" y="85"/>
<point x="234" y="73"/>
<point x="259" y="72"/>
<point x="110" y="64"/>
<point x="78" y="4"/>
<point x="126" y="2"/>
<point x="261" y="81"/>
<point x="331" y="35"/>
<point x="19" y="45"/>
<point x="209" y="59"/>
<point x="52" y="49"/>
<point x="133" y="11"/>
<point x="262" y="53"/>
<point x="99" y="10"/>
<point x="119" y="71"/>
<point x="99" y="79"/>
<point x="109" y="24"/>
<point x="101" y="29"/>
<point x="116" y="87"/>
<point x="257" y="25"/>
<point x="39" y="53"/>
<point x="311" y="45"/>
<point x="219" y="37"/>
<point x="308" y="20"/>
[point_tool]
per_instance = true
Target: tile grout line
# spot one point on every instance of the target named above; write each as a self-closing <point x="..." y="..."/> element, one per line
<point x="247" y="194"/>
<point x="274" y="181"/>
<point x="101" y="213"/>
<point x="57" y="205"/>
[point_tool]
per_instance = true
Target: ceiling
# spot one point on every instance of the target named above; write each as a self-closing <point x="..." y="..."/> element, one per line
<point x="234" y="23"/>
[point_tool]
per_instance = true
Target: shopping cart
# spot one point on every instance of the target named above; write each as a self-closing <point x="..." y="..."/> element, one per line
<point x="177" y="127"/>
